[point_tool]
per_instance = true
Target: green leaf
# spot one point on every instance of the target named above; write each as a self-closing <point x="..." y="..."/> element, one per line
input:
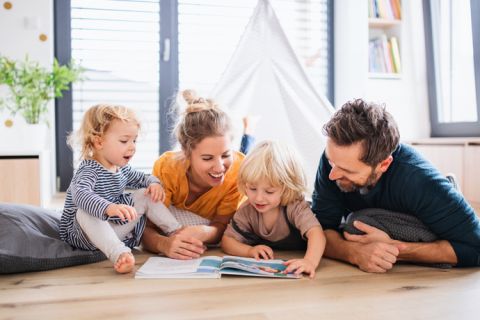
<point x="32" y="86"/>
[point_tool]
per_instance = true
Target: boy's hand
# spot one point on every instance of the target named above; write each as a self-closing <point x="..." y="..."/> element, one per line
<point x="122" y="211"/>
<point x="156" y="192"/>
<point x="261" y="252"/>
<point x="300" y="265"/>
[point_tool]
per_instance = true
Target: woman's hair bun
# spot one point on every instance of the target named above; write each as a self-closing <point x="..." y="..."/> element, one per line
<point x="196" y="103"/>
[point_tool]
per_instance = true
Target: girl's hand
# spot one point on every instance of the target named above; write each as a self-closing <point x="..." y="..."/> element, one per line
<point x="261" y="252"/>
<point x="122" y="211"/>
<point x="300" y="265"/>
<point x="156" y="192"/>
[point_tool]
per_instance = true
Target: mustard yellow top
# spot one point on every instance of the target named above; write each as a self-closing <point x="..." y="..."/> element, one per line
<point x="220" y="200"/>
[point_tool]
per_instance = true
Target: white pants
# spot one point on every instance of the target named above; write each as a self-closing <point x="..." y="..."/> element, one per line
<point x="108" y="236"/>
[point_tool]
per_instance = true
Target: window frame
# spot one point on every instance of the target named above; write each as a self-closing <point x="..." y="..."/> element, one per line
<point x="451" y="129"/>
<point x="169" y="80"/>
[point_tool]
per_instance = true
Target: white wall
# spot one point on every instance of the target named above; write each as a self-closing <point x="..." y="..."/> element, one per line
<point x="20" y="28"/>
<point x="406" y="98"/>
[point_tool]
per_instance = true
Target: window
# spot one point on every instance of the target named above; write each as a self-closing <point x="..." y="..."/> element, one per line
<point x="117" y="42"/>
<point x="139" y="52"/>
<point x="451" y="60"/>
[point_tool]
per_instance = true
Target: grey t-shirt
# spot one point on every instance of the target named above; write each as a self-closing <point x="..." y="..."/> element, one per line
<point x="249" y="220"/>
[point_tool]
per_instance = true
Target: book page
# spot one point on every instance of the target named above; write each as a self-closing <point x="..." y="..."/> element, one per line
<point x="267" y="268"/>
<point x="159" y="265"/>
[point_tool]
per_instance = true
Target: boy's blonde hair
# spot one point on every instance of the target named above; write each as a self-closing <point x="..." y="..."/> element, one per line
<point x="95" y="123"/>
<point x="201" y="119"/>
<point x="278" y="165"/>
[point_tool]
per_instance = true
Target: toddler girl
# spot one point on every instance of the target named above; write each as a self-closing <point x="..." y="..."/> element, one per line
<point x="276" y="215"/>
<point x="97" y="213"/>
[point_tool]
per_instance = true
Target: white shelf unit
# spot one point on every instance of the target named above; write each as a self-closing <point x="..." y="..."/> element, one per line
<point x="384" y="42"/>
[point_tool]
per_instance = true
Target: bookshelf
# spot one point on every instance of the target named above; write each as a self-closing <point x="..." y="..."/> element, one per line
<point x="384" y="34"/>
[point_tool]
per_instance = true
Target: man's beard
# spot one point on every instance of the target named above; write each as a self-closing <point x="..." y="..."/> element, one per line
<point x="362" y="189"/>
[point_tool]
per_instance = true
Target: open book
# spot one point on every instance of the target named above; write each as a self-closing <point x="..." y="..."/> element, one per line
<point x="212" y="267"/>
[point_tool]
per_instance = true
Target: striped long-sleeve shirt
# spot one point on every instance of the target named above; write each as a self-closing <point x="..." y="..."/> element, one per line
<point x="93" y="189"/>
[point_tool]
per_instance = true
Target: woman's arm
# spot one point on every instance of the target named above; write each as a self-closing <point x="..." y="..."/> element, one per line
<point x="213" y="233"/>
<point x="176" y="246"/>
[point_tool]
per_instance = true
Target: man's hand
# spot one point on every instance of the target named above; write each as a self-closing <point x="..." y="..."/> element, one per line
<point x="261" y="252"/>
<point x="122" y="211"/>
<point x="156" y="192"/>
<point x="372" y="234"/>
<point x="375" y="257"/>
<point x="377" y="253"/>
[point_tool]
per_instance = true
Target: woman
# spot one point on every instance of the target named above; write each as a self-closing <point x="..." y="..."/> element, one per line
<point x="201" y="178"/>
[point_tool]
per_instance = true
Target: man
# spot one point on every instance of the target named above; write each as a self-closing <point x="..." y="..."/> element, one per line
<point x="364" y="166"/>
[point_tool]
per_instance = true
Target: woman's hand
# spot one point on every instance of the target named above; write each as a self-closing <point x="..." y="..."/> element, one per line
<point x="183" y="246"/>
<point x="198" y="232"/>
<point x="261" y="252"/>
<point x="300" y="265"/>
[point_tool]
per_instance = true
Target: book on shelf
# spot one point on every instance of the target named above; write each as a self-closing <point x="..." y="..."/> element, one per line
<point x="395" y="54"/>
<point x="212" y="267"/>
<point x="384" y="55"/>
<point x="385" y="9"/>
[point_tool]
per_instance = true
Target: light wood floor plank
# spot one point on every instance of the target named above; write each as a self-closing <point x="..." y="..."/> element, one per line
<point x="339" y="291"/>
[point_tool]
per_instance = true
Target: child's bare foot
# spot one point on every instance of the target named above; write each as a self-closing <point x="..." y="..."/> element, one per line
<point x="249" y="124"/>
<point x="125" y="263"/>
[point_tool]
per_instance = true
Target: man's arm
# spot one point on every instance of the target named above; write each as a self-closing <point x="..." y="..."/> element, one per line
<point x="431" y="252"/>
<point x="426" y="252"/>
<point x="369" y="257"/>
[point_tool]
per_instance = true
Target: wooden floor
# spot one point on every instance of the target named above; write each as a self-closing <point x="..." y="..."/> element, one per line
<point x="339" y="291"/>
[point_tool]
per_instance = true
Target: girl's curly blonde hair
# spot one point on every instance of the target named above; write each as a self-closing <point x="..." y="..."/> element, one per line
<point x="95" y="123"/>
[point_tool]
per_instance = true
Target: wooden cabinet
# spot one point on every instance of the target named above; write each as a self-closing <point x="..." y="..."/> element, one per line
<point x="472" y="173"/>
<point x="460" y="156"/>
<point x="24" y="178"/>
<point x="20" y="180"/>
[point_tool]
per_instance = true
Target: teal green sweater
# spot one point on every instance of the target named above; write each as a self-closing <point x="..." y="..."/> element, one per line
<point x="410" y="185"/>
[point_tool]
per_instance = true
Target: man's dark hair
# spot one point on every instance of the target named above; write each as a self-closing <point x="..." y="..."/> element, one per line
<point x="368" y="123"/>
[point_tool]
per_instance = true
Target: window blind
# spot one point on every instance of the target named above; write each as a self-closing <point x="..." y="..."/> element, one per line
<point x="117" y="42"/>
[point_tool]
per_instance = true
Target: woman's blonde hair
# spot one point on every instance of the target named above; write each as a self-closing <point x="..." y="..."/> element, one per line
<point x="95" y="123"/>
<point x="278" y="165"/>
<point x="202" y="118"/>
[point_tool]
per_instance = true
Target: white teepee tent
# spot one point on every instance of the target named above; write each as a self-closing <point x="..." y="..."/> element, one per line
<point x="265" y="78"/>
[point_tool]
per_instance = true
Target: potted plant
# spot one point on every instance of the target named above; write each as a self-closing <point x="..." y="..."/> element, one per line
<point x="30" y="88"/>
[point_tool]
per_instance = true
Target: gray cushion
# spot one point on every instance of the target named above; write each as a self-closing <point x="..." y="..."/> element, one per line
<point x="398" y="226"/>
<point x="30" y="241"/>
